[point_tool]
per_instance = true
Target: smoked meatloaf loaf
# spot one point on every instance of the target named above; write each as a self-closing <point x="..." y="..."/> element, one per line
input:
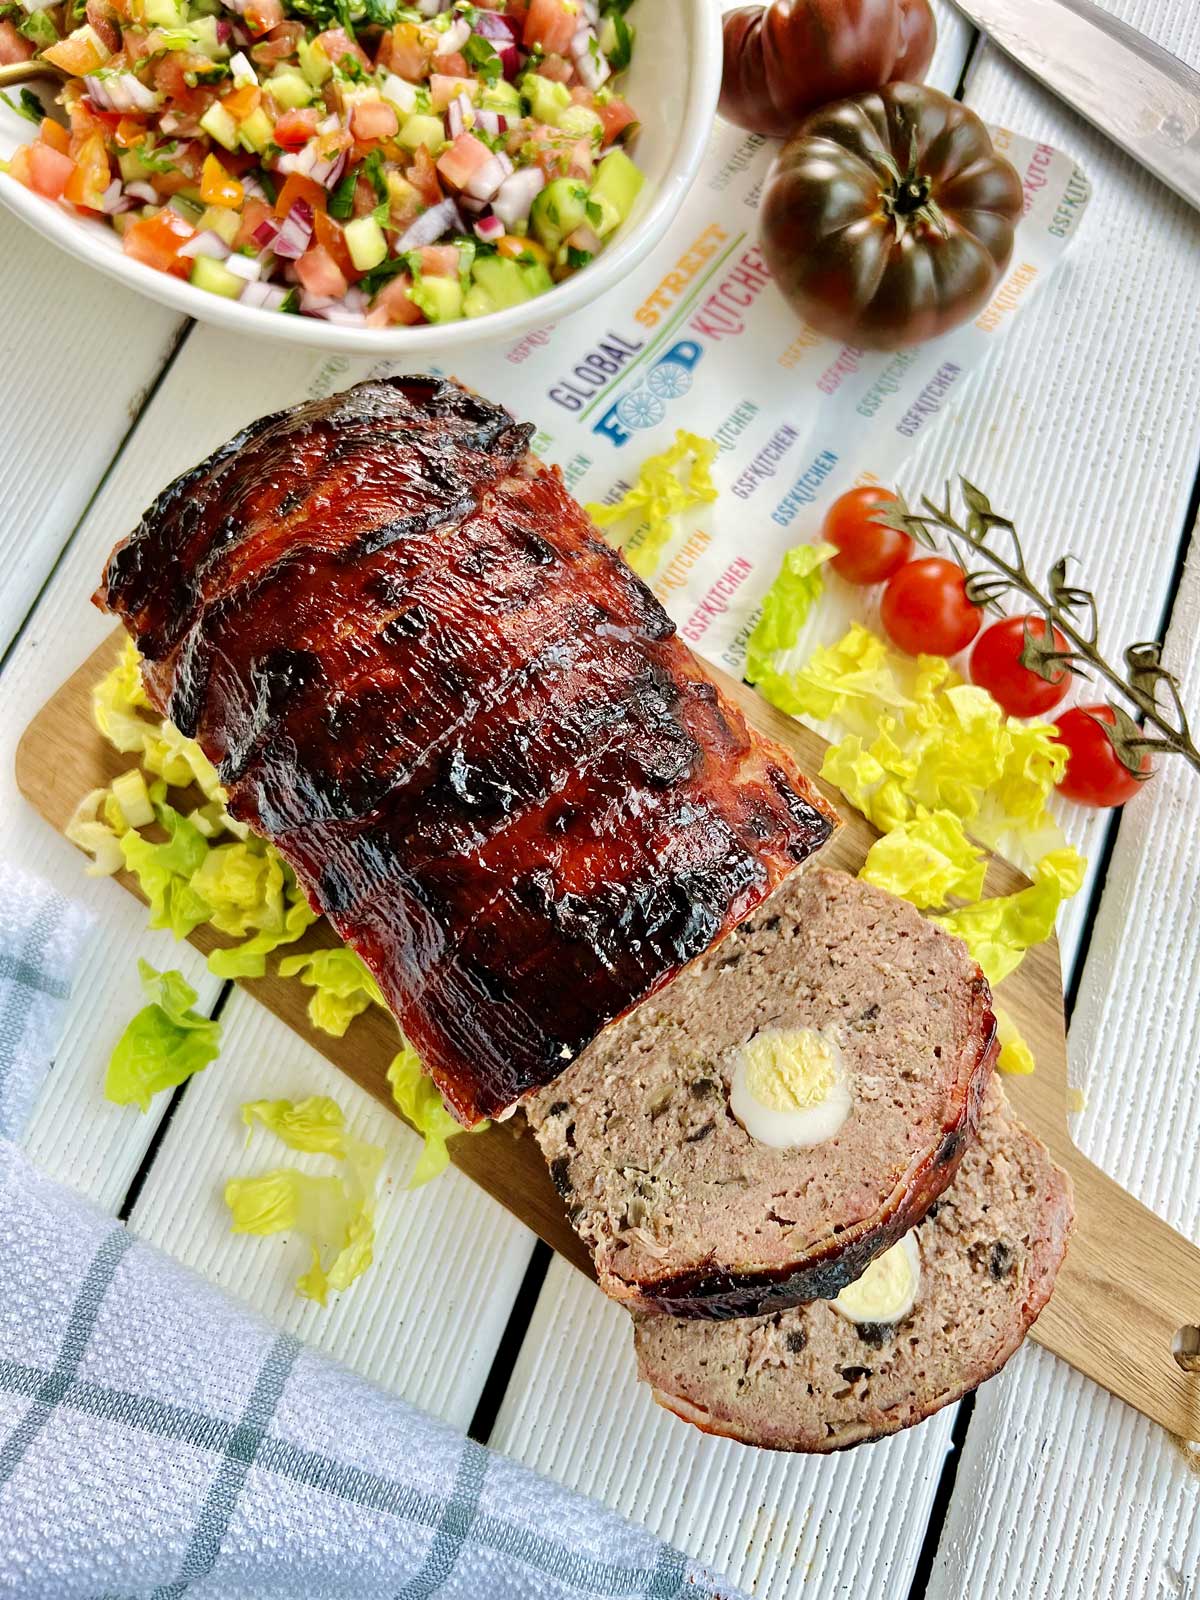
<point x="808" y="1379"/>
<point x="683" y="1210"/>
<point x="464" y="722"/>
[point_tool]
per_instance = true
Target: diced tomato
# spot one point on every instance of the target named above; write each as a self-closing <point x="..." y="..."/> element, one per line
<point x="217" y="188"/>
<point x="557" y="68"/>
<point x="455" y="65"/>
<point x="320" y="274"/>
<point x="156" y="240"/>
<point x="465" y="157"/>
<point x="424" y="178"/>
<point x="615" y="115"/>
<point x="18" y="165"/>
<point x="374" y="119"/>
<point x="280" y="43"/>
<point x="518" y="249"/>
<point x="242" y="101"/>
<point x="298" y="187"/>
<point x="295" y="128"/>
<point x="14" y="47"/>
<point x="169" y="80"/>
<point x="582" y="160"/>
<point x="440" y="260"/>
<point x="129" y="132"/>
<point x="91" y="175"/>
<point x="393" y="298"/>
<point x="331" y="238"/>
<point x="551" y="24"/>
<point x="260" y="16"/>
<point x="337" y="45"/>
<point x="254" y="213"/>
<point x="49" y="170"/>
<point x="55" y="135"/>
<point x="442" y="89"/>
<point x="80" y="52"/>
<point x="365" y="198"/>
<point x="404" y="52"/>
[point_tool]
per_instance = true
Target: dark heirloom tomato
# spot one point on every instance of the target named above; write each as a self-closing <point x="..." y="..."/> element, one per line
<point x="784" y="60"/>
<point x="889" y="218"/>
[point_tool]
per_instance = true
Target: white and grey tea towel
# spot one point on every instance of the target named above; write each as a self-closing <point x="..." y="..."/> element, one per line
<point x="158" y="1440"/>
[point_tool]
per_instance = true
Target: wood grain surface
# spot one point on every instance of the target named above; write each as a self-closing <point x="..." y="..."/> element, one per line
<point x="1130" y="1282"/>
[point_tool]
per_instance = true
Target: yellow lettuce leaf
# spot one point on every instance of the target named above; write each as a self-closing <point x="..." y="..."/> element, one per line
<point x="316" y="1125"/>
<point x="659" y="494"/>
<point x="1015" y="1058"/>
<point x="786" y="607"/>
<point x="928" y="861"/>
<point x="999" y="931"/>
<point x="418" y="1098"/>
<point x="163" y="1045"/>
<point x="342" y="987"/>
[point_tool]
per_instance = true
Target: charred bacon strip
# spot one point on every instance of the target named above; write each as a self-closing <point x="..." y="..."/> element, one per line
<point x="464" y="722"/>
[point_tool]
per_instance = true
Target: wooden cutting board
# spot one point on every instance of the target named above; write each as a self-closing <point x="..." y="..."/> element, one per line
<point x="1130" y="1284"/>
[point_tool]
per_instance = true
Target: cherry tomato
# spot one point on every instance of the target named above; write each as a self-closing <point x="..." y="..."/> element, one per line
<point x="926" y="610"/>
<point x="1094" y="775"/>
<point x="996" y="667"/>
<point x="867" y="552"/>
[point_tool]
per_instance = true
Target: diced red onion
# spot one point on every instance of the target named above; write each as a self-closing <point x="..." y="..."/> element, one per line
<point x="114" y="200"/>
<point x="224" y="29"/>
<point x="590" y="62"/>
<point x="295" y="235"/>
<point x="489" y="177"/>
<point x="329" y="172"/>
<point x="491" y="122"/>
<point x="354" y="299"/>
<point x="430" y="226"/>
<point x="492" y="25"/>
<point x="248" y="267"/>
<point x="431" y="8"/>
<point x="265" y="296"/>
<point x="301" y="161"/>
<point x="121" y="91"/>
<point x="455" y="36"/>
<point x="264" y="234"/>
<point x="141" y="190"/>
<point x="489" y="229"/>
<point x="207" y="243"/>
<point x="473" y="208"/>
<point x="456" y="114"/>
<point x="98" y="94"/>
<point x="251" y="186"/>
<point x="316" y="302"/>
<point x="514" y="199"/>
<point x="510" y="60"/>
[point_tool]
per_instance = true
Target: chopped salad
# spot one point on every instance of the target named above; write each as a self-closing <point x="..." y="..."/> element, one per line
<point x="363" y="161"/>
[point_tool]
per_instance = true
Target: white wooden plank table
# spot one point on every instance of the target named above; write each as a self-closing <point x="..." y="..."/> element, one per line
<point x="1087" y="431"/>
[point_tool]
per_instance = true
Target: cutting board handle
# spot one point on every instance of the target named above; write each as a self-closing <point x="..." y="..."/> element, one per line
<point x="1129" y="1285"/>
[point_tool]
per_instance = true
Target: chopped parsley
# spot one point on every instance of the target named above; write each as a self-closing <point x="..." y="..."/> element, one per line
<point x="480" y="53"/>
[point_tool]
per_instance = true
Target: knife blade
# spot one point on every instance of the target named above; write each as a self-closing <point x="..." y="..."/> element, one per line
<point x="1145" y="99"/>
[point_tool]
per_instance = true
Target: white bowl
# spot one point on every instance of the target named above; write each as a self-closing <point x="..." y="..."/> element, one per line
<point x="673" y="84"/>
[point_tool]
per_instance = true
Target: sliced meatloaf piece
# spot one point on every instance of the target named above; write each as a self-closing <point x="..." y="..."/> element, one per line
<point x="808" y="1379"/>
<point x="683" y="1209"/>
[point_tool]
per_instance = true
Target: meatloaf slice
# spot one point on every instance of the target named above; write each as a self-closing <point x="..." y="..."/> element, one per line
<point x="684" y="1211"/>
<point x="808" y="1379"/>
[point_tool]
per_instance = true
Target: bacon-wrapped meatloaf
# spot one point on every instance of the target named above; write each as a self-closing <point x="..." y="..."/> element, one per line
<point x="462" y="719"/>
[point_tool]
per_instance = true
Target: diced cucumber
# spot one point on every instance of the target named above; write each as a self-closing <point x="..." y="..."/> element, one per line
<point x="441" y="299"/>
<point x="547" y="99"/>
<point x="502" y="97"/>
<point x="497" y="285"/>
<point x="366" y="243"/>
<point x="420" y="130"/>
<point x="203" y="32"/>
<point x="164" y="13"/>
<point x="191" y="210"/>
<point x="581" y="122"/>
<point x="314" y="63"/>
<point x="226" y="224"/>
<point x="617" y="183"/>
<point x="257" y="130"/>
<point x="603" y="215"/>
<point x="402" y="196"/>
<point x="219" y="125"/>
<point x="290" y="89"/>
<point x="133" y="168"/>
<point x="559" y="210"/>
<point x="216" y="278"/>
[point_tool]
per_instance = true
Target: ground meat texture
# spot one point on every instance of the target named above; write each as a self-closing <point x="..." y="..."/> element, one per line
<point x="464" y="722"/>
<point x="683" y="1210"/>
<point x="806" y="1379"/>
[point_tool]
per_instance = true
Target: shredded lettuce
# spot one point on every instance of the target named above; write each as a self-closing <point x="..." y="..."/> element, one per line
<point x="342" y="987"/>
<point x="163" y="1045"/>
<point x="334" y="1214"/>
<point x="785" y="609"/>
<point x="659" y="494"/>
<point x="928" y="860"/>
<point x="999" y="931"/>
<point x="1015" y="1058"/>
<point x="418" y="1098"/>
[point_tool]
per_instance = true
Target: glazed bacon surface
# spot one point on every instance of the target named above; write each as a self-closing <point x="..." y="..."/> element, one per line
<point x="461" y="718"/>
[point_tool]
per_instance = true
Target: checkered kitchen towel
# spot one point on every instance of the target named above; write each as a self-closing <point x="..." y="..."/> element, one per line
<point x="156" y="1440"/>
